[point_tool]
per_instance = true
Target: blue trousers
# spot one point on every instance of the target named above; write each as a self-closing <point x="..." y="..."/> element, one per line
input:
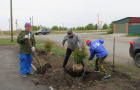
<point x="25" y="63"/>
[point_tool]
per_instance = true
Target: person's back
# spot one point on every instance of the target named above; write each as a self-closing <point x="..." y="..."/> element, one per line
<point x="98" y="48"/>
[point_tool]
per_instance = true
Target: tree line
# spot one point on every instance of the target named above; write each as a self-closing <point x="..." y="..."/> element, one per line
<point x="87" y="27"/>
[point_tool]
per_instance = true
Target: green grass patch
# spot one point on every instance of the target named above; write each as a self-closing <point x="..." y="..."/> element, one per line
<point x="103" y="34"/>
<point x="40" y="47"/>
<point x="58" y="51"/>
<point x="129" y="68"/>
<point x="7" y="42"/>
<point x="55" y="49"/>
<point x="39" y="41"/>
<point x="132" y="35"/>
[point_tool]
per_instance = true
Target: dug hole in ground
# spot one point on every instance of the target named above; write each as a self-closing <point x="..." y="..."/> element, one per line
<point x="52" y="75"/>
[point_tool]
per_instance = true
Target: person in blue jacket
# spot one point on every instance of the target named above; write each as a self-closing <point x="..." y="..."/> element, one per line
<point x="96" y="48"/>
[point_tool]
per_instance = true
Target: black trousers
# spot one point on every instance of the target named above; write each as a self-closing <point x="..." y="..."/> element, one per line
<point x="68" y="53"/>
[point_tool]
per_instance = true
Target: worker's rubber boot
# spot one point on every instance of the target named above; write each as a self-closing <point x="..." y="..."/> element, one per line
<point x="24" y="76"/>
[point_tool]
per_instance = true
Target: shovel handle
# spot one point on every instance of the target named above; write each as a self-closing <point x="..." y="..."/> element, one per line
<point x="86" y="66"/>
<point x="34" y="53"/>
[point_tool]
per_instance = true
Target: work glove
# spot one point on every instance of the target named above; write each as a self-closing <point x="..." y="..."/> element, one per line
<point x="33" y="48"/>
<point x="26" y="36"/>
<point x="80" y="49"/>
<point x="88" y="59"/>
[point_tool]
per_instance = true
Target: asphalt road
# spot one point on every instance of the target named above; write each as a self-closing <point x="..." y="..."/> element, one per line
<point x="121" y="46"/>
<point x="10" y="78"/>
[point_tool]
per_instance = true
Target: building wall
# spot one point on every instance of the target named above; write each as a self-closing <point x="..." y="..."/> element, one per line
<point x="120" y="28"/>
<point x="114" y="28"/>
<point x="133" y="29"/>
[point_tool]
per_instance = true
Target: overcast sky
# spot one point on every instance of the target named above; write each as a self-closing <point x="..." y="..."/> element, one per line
<point x="72" y="13"/>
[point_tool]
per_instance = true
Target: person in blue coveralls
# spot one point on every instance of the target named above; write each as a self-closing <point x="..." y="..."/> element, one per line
<point x="25" y="51"/>
<point x="96" y="48"/>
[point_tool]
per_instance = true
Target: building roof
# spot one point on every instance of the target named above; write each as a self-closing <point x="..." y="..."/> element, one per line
<point x="128" y="20"/>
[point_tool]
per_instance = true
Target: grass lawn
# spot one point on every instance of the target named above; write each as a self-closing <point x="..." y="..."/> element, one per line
<point x="103" y="34"/>
<point x="132" y="35"/>
<point x="55" y="49"/>
<point x="7" y="42"/>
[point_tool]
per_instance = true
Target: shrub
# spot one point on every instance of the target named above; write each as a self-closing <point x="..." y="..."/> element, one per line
<point x="48" y="46"/>
<point x="110" y="31"/>
<point x="79" y="56"/>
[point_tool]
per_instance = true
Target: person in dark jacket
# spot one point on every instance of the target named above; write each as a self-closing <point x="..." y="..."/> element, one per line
<point x="25" y="51"/>
<point x="96" y="48"/>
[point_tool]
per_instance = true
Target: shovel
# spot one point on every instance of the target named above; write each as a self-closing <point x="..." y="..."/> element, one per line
<point x="34" y="54"/>
<point x="85" y="68"/>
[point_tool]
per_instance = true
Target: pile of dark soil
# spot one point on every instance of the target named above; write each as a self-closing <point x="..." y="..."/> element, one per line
<point x="52" y="75"/>
<point x="67" y="79"/>
<point x="42" y="70"/>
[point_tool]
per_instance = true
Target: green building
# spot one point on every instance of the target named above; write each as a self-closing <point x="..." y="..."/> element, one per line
<point x="129" y="25"/>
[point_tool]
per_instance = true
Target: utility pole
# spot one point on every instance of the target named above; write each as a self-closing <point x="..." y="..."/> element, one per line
<point x="98" y="21"/>
<point x="32" y="22"/>
<point x="11" y="21"/>
<point x="16" y="24"/>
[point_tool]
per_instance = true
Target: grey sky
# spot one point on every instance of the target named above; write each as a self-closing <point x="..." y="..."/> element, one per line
<point x="70" y="12"/>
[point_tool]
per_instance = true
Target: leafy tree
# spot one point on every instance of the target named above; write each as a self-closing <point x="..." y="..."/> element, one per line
<point x="82" y="28"/>
<point x="96" y="26"/>
<point x="38" y="27"/>
<point x="105" y="27"/>
<point x="65" y="28"/>
<point x="111" y="25"/>
<point x="73" y="28"/>
<point x="90" y="27"/>
<point x="78" y="28"/>
<point x="60" y="28"/>
<point x="35" y="27"/>
<point x="54" y="28"/>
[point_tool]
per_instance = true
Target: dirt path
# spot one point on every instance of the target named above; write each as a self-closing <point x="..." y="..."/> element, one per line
<point x="10" y="78"/>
